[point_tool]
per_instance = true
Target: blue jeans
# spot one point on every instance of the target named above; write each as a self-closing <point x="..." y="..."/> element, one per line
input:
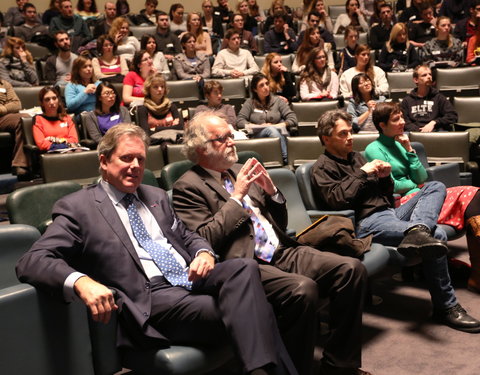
<point x="271" y="132"/>
<point x="388" y="227"/>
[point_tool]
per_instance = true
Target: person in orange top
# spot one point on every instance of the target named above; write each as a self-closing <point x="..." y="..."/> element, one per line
<point x="54" y="129"/>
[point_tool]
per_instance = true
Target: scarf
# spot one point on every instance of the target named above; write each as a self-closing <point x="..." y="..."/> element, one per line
<point x="158" y="109"/>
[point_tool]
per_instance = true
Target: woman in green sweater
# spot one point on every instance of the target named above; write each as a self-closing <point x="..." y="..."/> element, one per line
<point x="462" y="204"/>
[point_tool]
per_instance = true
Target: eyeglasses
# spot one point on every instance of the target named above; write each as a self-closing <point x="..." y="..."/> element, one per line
<point x="108" y="93"/>
<point x="223" y="139"/>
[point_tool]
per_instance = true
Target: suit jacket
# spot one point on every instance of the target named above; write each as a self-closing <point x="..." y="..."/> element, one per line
<point x="88" y="236"/>
<point x="204" y="205"/>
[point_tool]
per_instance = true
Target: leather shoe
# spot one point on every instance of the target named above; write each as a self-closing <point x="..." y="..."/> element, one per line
<point x="419" y="242"/>
<point x="22" y="173"/>
<point x="457" y="318"/>
<point x="332" y="370"/>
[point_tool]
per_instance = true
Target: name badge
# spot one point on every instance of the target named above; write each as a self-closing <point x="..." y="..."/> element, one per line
<point x="114" y="117"/>
<point x="3" y="90"/>
<point x="70" y="31"/>
<point x="282" y="43"/>
<point x="38" y="33"/>
<point x="170" y="45"/>
<point x="257" y="110"/>
<point x="114" y="66"/>
<point x="63" y="124"/>
<point x="435" y="52"/>
<point x="216" y="13"/>
<point x="245" y="41"/>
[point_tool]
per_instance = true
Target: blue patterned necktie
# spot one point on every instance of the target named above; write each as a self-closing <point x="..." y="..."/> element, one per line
<point x="264" y="249"/>
<point x="164" y="259"/>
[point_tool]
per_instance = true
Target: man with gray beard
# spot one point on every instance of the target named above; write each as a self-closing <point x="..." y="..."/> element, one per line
<point x="242" y="214"/>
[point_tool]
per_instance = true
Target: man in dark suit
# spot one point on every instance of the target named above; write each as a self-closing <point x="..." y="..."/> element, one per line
<point x="243" y="215"/>
<point x="122" y="235"/>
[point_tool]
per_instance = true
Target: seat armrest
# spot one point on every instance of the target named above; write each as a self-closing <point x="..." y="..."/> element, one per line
<point x="466" y="178"/>
<point x="316" y="214"/>
<point x="449" y="174"/>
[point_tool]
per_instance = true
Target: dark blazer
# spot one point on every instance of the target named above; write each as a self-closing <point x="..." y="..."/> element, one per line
<point x="204" y="205"/>
<point x="88" y="236"/>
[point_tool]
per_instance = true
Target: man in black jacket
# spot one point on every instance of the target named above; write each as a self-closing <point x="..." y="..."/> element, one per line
<point x="425" y="109"/>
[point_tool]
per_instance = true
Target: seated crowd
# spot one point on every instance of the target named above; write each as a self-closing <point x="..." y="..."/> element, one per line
<point x="222" y="252"/>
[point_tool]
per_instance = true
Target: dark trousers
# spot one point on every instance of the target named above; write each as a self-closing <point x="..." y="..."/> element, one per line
<point x="11" y="123"/>
<point x="230" y="304"/>
<point x="343" y="280"/>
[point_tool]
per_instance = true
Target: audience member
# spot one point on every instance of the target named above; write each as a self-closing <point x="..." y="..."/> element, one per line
<point x="87" y="9"/>
<point x="425" y="109"/>
<point x="347" y="58"/>
<point x="223" y="10"/>
<point x="58" y="67"/>
<point x="239" y="210"/>
<point x="466" y="27"/>
<point x="461" y="206"/>
<point x="141" y="68"/>
<point x="455" y="10"/>
<point x="15" y="16"/>
<point x="108" y="112"/>
<point x="380" y="32"/>
<point x="255" y="10"/>
<point x="362" y="104"/>
<point x="76" y="28"/>
<point x="281" y="38"/>
<point x="213" y="91"/>
<point x="317" y="80"/>
<point x="32" y="30"/>
<point x="80" y="91"/>
<point x="203" y="43"/>
<point x="108" y="66"/>
<point x="123" y="8"/>
<point x="277" y="6"/>
<point x="53" y="129"/>
<point x="102" y="26"/>
<point x="313" y="21"/>
<point x="376" y="17"/>
<point x="160" y="63"/>
<point x="422" y="31"/>
<point x="398" y="54"/>
<point x="167" y="41"/>
<point x="52" y="11"/>
<point x="247" y="41"/>
<point x="150" y="12"/>
<point x="279" y="78"/>
<point x="233" y="61"/>
<point x="413" y="12"/>
<point x="120" y="33"/>
<point x="317" y="7"/>
<point x="249" y="22"/>
<point x="158" y="116"/>
<point x="190" y="64"/>
<point x="364" y="65"/>
<point x="177" y="24"/>
<point x="225" y="299"/>
<point x="16" y="64"/>
<point x="311" y="40"/>
<point x="10" y="121"/>
<point x="342" y="179"/>
<point x="212" y="22"/>
<point x="444" y="50"/>
<point x="352" y="17"/>
<point x="265" y="115"/>
<point x="473" y="49"/>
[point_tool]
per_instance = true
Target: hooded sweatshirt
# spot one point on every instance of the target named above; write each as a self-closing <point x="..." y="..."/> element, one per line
<point x="419" y="111"/>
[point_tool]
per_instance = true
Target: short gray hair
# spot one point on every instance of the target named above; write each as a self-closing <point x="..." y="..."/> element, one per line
<point x="327" y="121"/>
<point x="196" y="135"/>
<point x="109" y="142"/>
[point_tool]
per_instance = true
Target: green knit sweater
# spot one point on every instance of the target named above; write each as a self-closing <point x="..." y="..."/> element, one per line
<point x="407" y="170"/>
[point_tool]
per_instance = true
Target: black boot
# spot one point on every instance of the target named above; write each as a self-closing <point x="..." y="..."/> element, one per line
<point x="418" y="241"/>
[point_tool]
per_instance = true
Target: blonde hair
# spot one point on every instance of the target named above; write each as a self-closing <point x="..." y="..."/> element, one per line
<point x="396" y="29"/>
<point x="151" y="80"/>
<point x="116" y="26"/>
<point x="199" y="32"/>
<point x="449" y="37"/>
<point x="10" y="45"/>
<point x="276" y="83"/>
